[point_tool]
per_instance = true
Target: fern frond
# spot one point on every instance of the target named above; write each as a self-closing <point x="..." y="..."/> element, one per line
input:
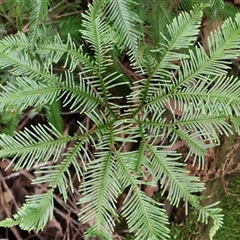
<point x="184" y="29"/>
<point x="101" y="187"/>
<point x="97" y="89"/>
<point x="32" y="146"/>
<point x="214" y="213"/>
<point x="159" y="17"/>
<point x="69" y="26"/>
<point x="187" y="5"/>
<point x="100" y="193"/>
<point x="20" y="64"/>
<point x="38" y="11"/>
<point x="223" y="45"/>
<point x="142" y="222"/>
<point x="53" y="113"/>
<point x="58" y="176"/>
<point x="217" y="6"/>
<point x="20" y="8"/>
<point x="80" y="95"/>
<point x="172" y="175"/>
<point x="27" y="93"/>
<point x="229" y="10"/>
<point x="219" y="96"/>
<point x="98" y="34"/>
<point x="182" y="33"/>
<point x="54" y="50"/>
<point x="124" y="21"/>
<point x="201" y="121"/>
<point x="39" y="206"/>
<point x="18" y="42"/>
<point x="197" y="141"/>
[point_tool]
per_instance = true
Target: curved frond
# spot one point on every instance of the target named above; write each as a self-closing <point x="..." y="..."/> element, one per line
<point x="33" y="145"/>
<point x="141" y="222"/>
<point x="34" y="214"/>
<point x="214" y="213"/>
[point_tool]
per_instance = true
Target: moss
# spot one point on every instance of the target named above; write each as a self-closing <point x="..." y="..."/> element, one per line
<point x="231" y="210"/>
<point x="230" y="203"/>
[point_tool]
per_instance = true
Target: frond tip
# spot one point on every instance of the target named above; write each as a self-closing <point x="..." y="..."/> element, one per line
<point x="31" y="146"/>
<point x="34" y="214"/>
<point x="143" y="220"/>
<point x="39" y="10"/>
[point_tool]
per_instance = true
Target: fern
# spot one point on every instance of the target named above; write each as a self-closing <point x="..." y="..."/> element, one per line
<point x="179" y="91"/>
<point x="39" y="206"/>
<point x="38" y="10"/>
<point x="53" y="113"/>
<point x="33" y="145"/>
<point x="159" y="16"/>
<point x="124" y="20"/>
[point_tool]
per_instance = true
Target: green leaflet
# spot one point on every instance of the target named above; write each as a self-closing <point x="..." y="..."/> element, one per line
<point x="39" y="206"/>
<point x="173" y="90"/>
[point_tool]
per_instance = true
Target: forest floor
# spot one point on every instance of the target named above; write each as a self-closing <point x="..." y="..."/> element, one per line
<point x="221" y="168"/>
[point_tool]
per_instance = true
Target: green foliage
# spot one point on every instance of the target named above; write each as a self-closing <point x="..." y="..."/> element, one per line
<point x="9" y="119"/>
<point x="218" y="8"/>
<point x="176" y="75"/>
<point x="53" y="113"/>
<point x="38" y="10"/>
<point x="34" y="214"/>
<point x="190" y="228"/>
<point x="230" y="204"/>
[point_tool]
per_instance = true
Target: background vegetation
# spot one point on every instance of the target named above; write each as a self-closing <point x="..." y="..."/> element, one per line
<point x="114" y="114"/>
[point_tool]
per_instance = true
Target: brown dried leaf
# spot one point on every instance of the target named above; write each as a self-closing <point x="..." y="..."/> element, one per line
<point x="19" y="191"/>
<point x="4" y="164"/>
<point x="208" y="27"/>
<point x="150" y="190"/>
<point x="55" y="227"/>
<point x="91" y="222"/>
<point x="173" y="106"/>
<point x="7" y="197"/>
<point x="192" y="168"/>
<point x="211" y="153"/>
<point x="177" y="145"/>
